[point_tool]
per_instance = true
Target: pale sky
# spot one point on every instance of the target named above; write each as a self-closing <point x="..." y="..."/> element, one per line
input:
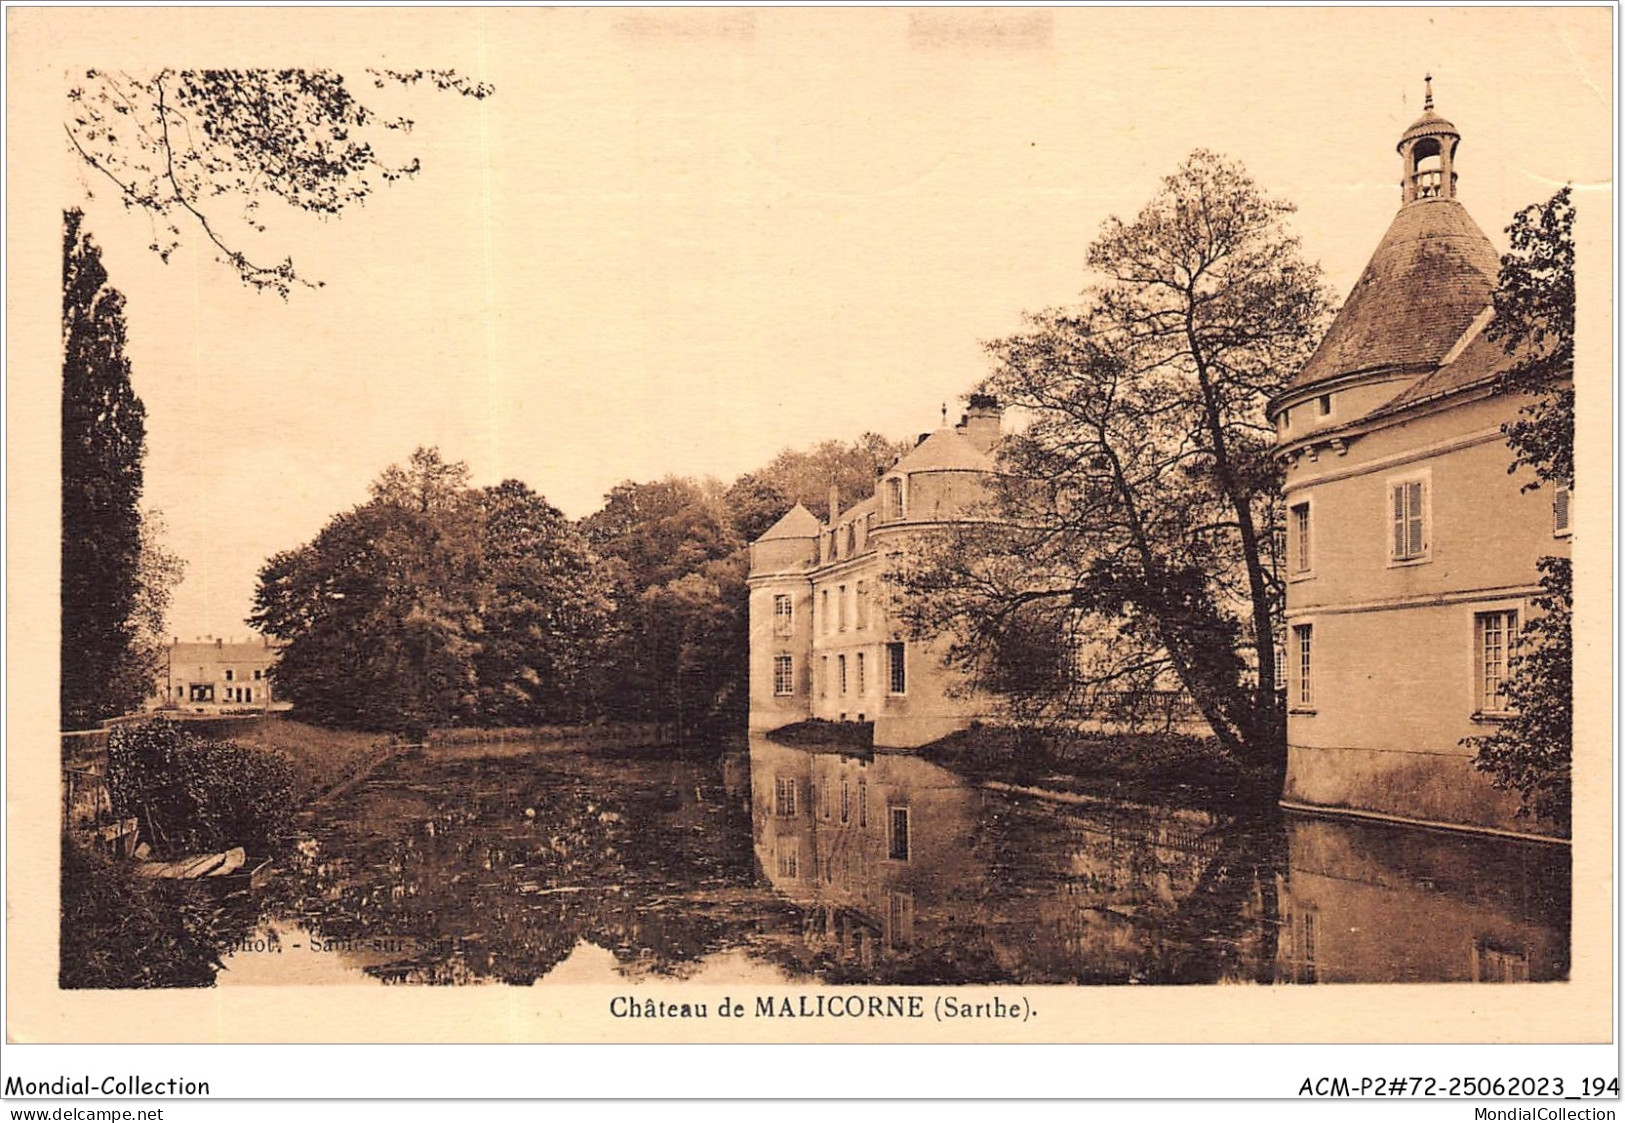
<point x="680" y="241"/>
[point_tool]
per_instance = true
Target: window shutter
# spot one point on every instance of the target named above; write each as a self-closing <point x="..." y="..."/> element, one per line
<point x="1560" y="510"/>
<point x="1399" y="521"/>
<point x="1413" y="494"/>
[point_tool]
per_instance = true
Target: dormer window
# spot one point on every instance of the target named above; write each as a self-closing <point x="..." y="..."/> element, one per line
<point x="894" y="499"/>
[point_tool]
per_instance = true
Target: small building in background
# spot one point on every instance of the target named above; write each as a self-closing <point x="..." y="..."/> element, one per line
<point x="215" y="675"/>
<point x="1412" y="552"/>
<point x="824" y="642"/>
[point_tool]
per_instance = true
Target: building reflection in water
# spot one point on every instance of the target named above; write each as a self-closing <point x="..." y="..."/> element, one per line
<point x="1368" y="902"/>
<point x="904" y="872"/>
<point x="882" y="868"/>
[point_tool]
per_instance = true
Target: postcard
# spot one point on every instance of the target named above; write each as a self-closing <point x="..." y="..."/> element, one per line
<point x="1010" y="526"/>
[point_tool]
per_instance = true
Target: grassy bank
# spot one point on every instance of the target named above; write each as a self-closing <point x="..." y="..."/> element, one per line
<point x="322" y="759"/>
<point x="1162" y="768"/>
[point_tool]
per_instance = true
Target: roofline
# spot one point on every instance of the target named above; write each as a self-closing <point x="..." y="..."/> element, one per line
<point x="1292" y="395"/>
<point x="1381" y="417"/>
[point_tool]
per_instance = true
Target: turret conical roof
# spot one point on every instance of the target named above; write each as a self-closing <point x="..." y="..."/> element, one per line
<point x="1432" y="274"/>
<point x="798" y="522"/>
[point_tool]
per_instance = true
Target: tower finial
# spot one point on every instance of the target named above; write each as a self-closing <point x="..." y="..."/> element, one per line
<point x="1427" y="99"/>
<point x="944" y="415"/>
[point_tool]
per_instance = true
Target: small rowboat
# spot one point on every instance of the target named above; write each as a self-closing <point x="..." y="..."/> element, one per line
<point x="205" y="865"/>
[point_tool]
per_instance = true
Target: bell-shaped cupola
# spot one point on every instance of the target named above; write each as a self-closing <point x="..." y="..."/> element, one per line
<point x="1428" y="149"/>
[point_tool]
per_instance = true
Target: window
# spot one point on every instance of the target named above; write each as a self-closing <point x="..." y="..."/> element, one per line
<point x="840" y="608"/>
<point x="896" y="672"/>
<point x="1300" y="538"/>
<point x="1325" y="405"/>
<point x="840" y="667"/>
<point x="900" y="920"/>
<point x="862" y="608"/>
<point x="823" y="676"/>
<point x="846" y="801"/>
<point x="1409" y="510"/>
<point x="863" y="804"/>
<point x="897" y="834"/>
<point x="1562" y="497"/>
<point x="894" y="499"/>
<point x="1303" y="637"/>
<point x="784" y="615"/>
<point x="789" y="861"/>
<point x="784" y="796"/>
<point x="258" y="675"/>
<point x="823" y="608"/>
<point x="229" y="674"/>
<point x="851" y="539"/>
<point x="784" y="675"/>
<point x="823" y="799"/>
<point x="1286" y="420"/>
<point x="1494" y="634"/>
<point x="862" y="685"/>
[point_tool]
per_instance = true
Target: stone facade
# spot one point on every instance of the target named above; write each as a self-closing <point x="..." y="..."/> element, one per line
<point x="214" y="675"/>
<point x="1412" y="552"/>
<point x="824" y="640"/>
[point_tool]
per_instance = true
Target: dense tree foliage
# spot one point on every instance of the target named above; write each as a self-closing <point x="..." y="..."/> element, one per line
<point x="435" y="603"/>
<point x="1134" y="553"/>
<point x="107" y="605"/>
<point x="1531" y="753"/>
<point x="205" y="148"/>
<point x="675" y="652"/>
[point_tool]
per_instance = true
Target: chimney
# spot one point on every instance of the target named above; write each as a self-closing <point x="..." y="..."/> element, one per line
<point x="834" y="503"/>
<point x="982" y="421"/>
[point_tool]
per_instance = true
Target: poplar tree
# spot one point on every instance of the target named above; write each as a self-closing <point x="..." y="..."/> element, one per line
<point x="103" y="442"/>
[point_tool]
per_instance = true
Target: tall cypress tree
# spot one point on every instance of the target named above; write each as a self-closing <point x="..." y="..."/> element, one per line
<point x="103" y="441"/>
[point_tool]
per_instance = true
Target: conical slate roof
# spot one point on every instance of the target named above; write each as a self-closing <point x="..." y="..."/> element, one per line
<point x="798" y="522"/>
<point x="1431" y="276"/>
<point x="945" y="450"/>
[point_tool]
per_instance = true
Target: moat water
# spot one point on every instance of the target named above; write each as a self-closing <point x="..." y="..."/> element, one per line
<point x="557" y="863"/>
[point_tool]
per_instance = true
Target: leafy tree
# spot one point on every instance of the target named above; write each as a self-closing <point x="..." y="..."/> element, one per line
<point x="204" y="148"/>
<point x="544" y="606"/>
<point x="676" y="641"/>
<point x="1134" y="549"/>
<point x="1531" y="753"/>
<point x="1534" y="322"/>
<point x="436" y="603"/>
<point x="103" y="444"/>
<point x="378" y="610"/>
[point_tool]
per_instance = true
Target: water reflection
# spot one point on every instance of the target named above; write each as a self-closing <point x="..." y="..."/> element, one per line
<point x="908" y="874"/>
<point x="1363" y="902"/>
<point x="561" y="864"/>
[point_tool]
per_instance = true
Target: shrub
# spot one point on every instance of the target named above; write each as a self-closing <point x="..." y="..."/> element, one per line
<point x="119" y="930"/>
<point x="193" y="793"/>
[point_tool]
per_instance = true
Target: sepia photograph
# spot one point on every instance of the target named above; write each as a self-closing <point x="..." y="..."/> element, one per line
<point x="871" y="522"/>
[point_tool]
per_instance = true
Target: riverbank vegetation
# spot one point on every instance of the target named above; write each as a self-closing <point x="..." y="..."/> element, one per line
<point x="1161" y="768"/>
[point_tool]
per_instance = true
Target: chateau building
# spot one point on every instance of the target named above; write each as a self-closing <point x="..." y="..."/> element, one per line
<point x="824" y="641"/>
<point x="1412" y="552"/>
